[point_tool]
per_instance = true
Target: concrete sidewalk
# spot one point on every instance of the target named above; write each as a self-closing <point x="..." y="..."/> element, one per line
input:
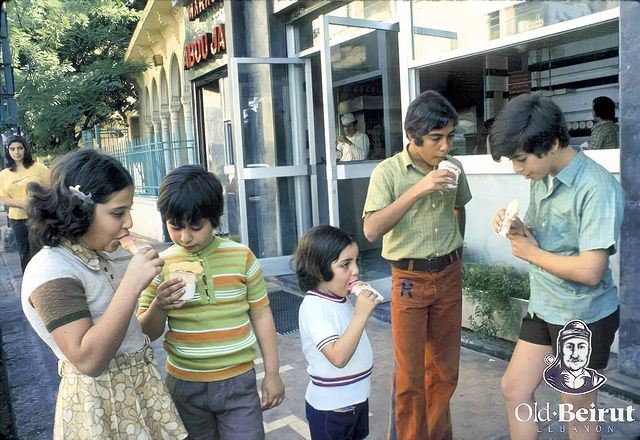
<point x="476" y="407"/>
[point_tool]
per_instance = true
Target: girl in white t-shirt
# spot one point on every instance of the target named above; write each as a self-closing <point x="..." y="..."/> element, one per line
<point x="83" y="307"/>
<point x="332" y="334"/>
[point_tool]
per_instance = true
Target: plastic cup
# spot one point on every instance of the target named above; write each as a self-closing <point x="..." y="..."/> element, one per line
<point x="450" y="166"/>
<point x="190" y="279"/>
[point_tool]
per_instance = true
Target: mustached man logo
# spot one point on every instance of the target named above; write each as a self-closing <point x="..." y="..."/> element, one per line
<point x="567" y="371"/>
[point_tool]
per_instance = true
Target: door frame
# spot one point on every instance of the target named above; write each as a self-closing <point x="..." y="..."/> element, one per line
<point x="303" y="169"/>
<point x="334" y="171"/>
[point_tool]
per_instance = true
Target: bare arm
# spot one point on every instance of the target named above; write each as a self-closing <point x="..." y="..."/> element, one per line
<point x="153" y="320"/>
<point x="339" y="353"/>
<point x="265" y="330"/>
<point x="13" y="203"/>
<point x="90" y="346"/>
<point x="378" y="223"/>
<point x="586" y="268"/>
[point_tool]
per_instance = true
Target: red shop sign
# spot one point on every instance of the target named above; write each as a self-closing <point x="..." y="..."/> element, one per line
<point x="204" y="47"/>
<point x="197" y="7"/>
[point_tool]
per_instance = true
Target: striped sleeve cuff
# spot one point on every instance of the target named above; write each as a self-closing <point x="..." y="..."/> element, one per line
<point x="326" y="341"/>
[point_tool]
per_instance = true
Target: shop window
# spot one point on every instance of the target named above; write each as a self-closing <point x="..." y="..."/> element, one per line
<point x="374" y="10"/>
<point x="572" y="73"/>
<point x="443" y="26"/>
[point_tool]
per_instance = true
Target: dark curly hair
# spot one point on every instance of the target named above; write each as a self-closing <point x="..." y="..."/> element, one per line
<point x="55" y="213"/>
<point x="429" y="111"/>
<point x="190" y="193"/>
<point x="528" y="123"/>
<point x="27" y="160"/>
<point x="317" y="249"/>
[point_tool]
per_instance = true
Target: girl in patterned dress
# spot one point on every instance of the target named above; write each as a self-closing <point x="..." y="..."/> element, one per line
<point x="84" y="309"/>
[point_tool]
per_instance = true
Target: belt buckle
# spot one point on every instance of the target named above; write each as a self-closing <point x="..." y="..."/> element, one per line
<point x="434" y="264"/>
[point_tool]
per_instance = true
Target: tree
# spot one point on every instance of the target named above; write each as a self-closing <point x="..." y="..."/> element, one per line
<point x="69" y="65"/>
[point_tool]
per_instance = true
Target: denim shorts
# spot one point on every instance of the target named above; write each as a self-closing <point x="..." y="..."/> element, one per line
<point x="350" y="423"/>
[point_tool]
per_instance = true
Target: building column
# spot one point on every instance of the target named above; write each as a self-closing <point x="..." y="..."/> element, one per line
<point x="157" y="142"/>
<point x="165" y="118"/>
<point x="188" y="125"/>
<point x="148" y="125"/>
<point x="178" y="146"/>
<point x="629" y="342"/>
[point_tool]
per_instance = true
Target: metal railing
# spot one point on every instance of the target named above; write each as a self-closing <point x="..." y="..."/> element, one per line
<point x="149" y="163"/>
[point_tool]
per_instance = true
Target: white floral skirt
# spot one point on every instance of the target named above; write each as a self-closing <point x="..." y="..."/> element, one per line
<point x="128" y="401"/>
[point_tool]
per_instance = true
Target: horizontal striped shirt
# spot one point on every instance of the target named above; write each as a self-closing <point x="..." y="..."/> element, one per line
<point x="211" y="338"/>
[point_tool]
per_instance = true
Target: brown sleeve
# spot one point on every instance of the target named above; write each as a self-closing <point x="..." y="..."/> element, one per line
<point x="59" y="302"/>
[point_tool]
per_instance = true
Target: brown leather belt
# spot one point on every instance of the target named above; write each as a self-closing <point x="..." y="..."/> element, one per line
<point x="433" y="264"/>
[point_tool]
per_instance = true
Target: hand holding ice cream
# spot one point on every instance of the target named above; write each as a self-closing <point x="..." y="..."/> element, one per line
<point x="360" y="286"/>
<point x="510" y="214"/>
<point x="188" y="271"/>
<point x="451" y="167"/>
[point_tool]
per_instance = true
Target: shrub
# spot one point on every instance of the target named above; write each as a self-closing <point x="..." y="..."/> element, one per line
<point x="490" y="288"/>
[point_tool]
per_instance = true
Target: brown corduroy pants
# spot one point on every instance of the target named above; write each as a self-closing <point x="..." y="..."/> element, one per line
<point x="426" y="315"/>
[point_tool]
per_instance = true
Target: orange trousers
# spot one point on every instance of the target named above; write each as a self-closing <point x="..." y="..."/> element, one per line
<point x="426" y="320"/>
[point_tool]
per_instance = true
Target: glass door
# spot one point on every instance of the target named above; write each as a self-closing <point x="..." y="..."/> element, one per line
<point x="272" y="133"/>
<point x="361" y="112"/>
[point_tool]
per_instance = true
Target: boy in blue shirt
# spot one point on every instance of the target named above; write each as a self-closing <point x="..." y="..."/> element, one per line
<point x="569" y="231"/>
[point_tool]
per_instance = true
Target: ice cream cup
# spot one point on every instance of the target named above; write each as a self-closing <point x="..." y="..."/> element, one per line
<point x="190" y="280"/>
<point x="450" y="166"/>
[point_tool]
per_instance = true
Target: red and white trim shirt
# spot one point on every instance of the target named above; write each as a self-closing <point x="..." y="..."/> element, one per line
<point x="323" y="319"/>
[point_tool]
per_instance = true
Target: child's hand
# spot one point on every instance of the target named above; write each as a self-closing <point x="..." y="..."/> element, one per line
<point x="272" y="390"/>
<point x="517" y="227"/>
<point x="436" y="180"/>
<point x="169" y="294"/>
<point x="523" y="246"/>
<point x="143" y="268"/>
<point x="366" y="302"/>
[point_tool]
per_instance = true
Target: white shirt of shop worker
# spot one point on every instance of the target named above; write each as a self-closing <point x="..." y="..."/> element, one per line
<point x="354" y="145"/>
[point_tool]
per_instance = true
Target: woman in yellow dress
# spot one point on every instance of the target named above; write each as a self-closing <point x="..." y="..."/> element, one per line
<point x="20" y="171"/>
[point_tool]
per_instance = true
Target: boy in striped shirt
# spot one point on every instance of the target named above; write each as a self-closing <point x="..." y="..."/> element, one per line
<point x="211" y="337"/>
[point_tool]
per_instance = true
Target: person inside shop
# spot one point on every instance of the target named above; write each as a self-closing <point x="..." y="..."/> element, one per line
<point x="353" y="144"/>
<point x="419" y="211"/>
<point x="604" y="133"/>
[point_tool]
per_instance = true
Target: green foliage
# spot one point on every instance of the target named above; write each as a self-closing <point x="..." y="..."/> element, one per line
<point x="490" y="288"/>
<point x="69" y="66"/>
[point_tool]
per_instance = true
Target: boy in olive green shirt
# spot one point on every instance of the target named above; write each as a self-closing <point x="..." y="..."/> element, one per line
<point x="419" y="211"/>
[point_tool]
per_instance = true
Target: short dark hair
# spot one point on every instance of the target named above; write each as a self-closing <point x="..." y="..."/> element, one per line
<point x="317" y="249"/>
<point x="27" y="160"/>
<point x="429" y="111"/>
<point x="605" y="108"/>
<point x="190" y="193"/>
<point x="55" y="212"/>
<point x="528" y="123"/>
